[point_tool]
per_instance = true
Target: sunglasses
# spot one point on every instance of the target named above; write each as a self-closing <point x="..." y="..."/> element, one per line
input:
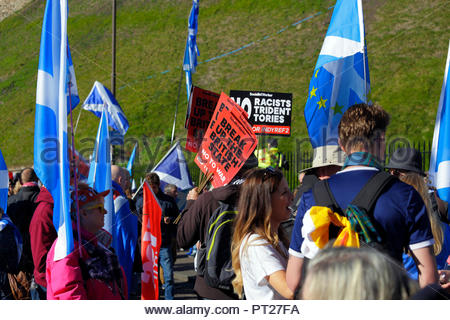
<point x="96" y="206"/>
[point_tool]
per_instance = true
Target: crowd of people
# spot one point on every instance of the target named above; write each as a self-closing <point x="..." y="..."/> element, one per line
<point x="353" y="229"/>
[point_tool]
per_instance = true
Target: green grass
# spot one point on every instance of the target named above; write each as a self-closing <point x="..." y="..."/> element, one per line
<point x="407" y="46"/>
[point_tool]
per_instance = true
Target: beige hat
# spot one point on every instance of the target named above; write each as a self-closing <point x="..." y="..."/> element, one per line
<point x="323" y="156"/>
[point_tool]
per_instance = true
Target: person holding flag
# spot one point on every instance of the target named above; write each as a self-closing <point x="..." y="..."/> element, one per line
<point x="94" y="273"/>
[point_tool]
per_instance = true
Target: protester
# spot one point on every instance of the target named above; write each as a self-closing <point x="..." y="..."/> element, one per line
<point x="399" y="213"/>
<point x="126" y="223"/>
<point x="259" y="247"/>
<point x="406" y="164"/>
<point x="344" y="273"/>
<point x="21" y="207"/>
<point x="94" y="273"/>
<point x="42" y="236"/>
<point x="172" y="190"/>
<point x="10" y="253"/>
<point x="194" y="222"/>
<point x="327" y="160"/>
<point x="271" y="156"/>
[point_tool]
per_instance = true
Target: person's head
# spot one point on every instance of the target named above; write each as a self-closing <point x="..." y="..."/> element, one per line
<point x="344" y="273"/>
<point x="327" y="160"/>
<point x="404" y="160"/>
<point x="153" y="180"/>
<point x="91" y="208"/>
<point x="272" y="143"/>
<point x="363" y="128"/>
<point x="250" y="163"/>
<point x="28" y="175"/>
<point x="263" y="204"/>
<point x="171" y="190"/>
<point x="121" y="176"/>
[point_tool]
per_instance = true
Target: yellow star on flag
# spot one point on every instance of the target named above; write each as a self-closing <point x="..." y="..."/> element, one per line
<point x="321" y="103"/>
<point x="317" y="71"/>
<point x="337" y="108"/>
<point x="313" y="92"/>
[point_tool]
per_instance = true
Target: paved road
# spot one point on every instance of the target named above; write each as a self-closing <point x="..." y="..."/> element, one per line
<point x="184" y="276"/>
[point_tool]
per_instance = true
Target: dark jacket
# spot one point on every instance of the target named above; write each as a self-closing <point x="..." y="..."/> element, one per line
<point x="21" y="207"/>
<point x="169" y="209"/>
<point x="42" y="234"/>
<point x="192" y="227"/>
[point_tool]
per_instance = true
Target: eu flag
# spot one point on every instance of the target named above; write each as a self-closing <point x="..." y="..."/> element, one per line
<point x="341" y="75"/>
<point x="440" y="153"/>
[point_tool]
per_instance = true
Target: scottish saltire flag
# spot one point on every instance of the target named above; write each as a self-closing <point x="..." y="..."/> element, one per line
<point x="101" y="98"/>
<point x="440" y="153"/>
<point x="54" y="81"/>
<point x="341" y="75"/>
<point x="172" y="168"/>
<point x="131" y="160"/>
<point x="191" y="51"/>
<point x="100" y="171"/>
<point x="125" y="231"/>
<point x="4" y="183"/>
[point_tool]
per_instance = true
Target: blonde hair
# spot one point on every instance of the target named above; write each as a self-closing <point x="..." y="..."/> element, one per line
<point x="417" y="182"/>
<point x="345" y="273"/>
<point x="254" y="213"/>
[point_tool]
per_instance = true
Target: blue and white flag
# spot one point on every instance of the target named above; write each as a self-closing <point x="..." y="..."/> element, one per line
<point x="173" y="169"/>
<point x="341" y="75"/>
<point x="55" y="79"/>
<point x="4" y="183"/>
<point x="440" y="152"/>
<point x="101" y="98"/>
<point x="100" y="170"/>
<point x="131" y="160"/>
<point x="125" y="231"/>
<point x="191" y="51"/>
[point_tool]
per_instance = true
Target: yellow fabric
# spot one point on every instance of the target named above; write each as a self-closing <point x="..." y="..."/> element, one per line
<point x="270" y="158"/>
<point x="322" y="217"/>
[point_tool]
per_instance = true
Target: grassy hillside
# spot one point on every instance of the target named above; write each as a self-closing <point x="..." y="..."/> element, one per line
<point x="407" y="46"/>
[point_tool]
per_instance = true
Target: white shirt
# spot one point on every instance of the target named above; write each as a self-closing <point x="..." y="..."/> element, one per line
<point x="259" y="260"/>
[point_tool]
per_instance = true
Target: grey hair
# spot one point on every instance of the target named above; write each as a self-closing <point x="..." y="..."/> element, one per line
<point x="343" y="273"/>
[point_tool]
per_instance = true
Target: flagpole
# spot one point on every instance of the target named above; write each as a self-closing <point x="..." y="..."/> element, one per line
<point x="176" y="109"/>
<point x="363" y="41"/>
<point x="78" y="119"/>
<point x="75" y="168"/>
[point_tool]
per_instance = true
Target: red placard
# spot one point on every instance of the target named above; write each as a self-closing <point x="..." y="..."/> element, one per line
<point x="201" y="108"/>
<point x="228" y="142"/>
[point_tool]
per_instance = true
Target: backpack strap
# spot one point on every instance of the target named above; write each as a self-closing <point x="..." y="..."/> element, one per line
<point x="367" y="197"/>
<point x="324" y="197"/>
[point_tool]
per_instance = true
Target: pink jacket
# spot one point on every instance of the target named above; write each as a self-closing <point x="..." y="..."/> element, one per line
<point x="65" y="281"/>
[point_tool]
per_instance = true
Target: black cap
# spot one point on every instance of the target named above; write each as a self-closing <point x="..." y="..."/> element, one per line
<point x="273" y="143"/>
<point x="408" y="159"/>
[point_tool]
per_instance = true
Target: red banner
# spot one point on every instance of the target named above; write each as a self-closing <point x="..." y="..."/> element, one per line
<point x="151" y="243"/>
<point x="201" y="108"/>
<point x="227" y="143"/>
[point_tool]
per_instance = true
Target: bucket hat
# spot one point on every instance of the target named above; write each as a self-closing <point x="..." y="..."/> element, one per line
<point x="323" y="156"/>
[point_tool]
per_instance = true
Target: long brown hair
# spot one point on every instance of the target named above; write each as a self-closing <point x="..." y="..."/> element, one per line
<point x="254" y="213"/>
<point x="417" y="181"/>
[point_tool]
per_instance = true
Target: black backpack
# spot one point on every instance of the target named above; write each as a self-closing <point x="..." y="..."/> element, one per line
<point x="214" y="256"/>
<point x="363" y="203"/>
